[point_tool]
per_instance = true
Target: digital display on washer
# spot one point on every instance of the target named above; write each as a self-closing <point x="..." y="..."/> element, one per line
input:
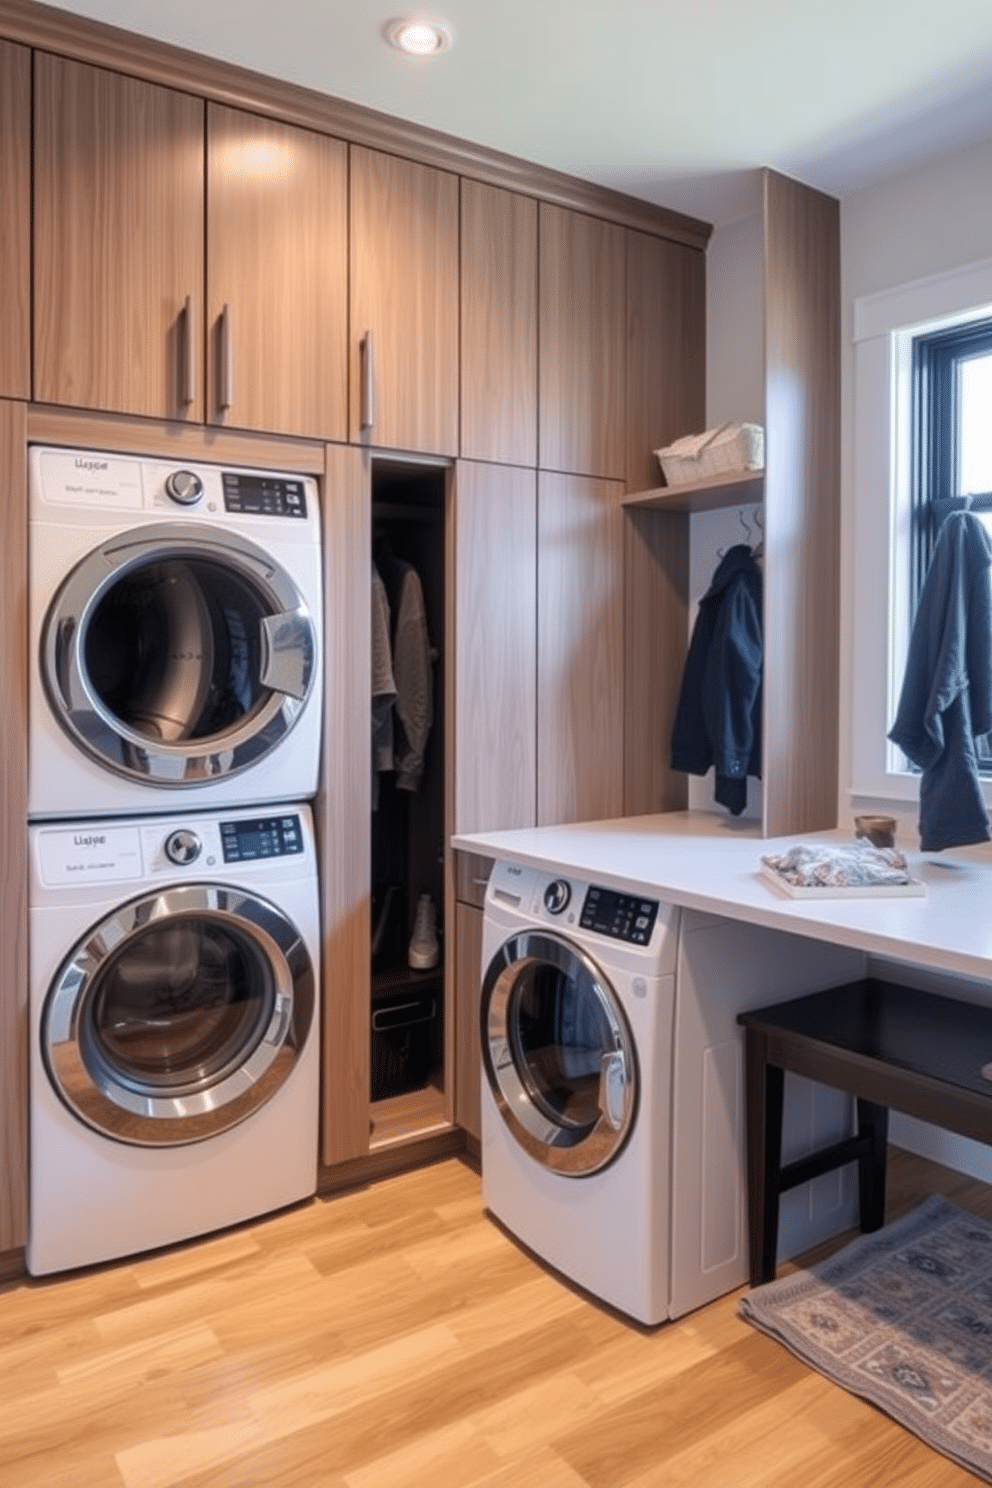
<point x="621" y="916"/>
<point x="264" y="495"/>
<point x="261" y="837"/>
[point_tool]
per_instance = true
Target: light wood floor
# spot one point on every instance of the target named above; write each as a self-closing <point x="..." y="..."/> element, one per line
<point x="396" y="1338"/>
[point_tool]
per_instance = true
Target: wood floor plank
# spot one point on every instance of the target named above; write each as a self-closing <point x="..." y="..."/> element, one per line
<point x="394" y="1337"/>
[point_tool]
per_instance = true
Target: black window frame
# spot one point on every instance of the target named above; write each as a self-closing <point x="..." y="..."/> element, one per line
<point x="937" y="356"/>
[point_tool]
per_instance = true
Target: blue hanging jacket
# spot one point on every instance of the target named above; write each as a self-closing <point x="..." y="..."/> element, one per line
<point x="946" y="698"/>
<point x="718" y="718"/>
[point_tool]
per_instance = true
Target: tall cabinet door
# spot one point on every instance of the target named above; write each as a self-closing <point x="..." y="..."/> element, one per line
<point x="495" y="647"/>
<point x="118" y="245"/>
<point x="15" y="220"/>
<point x="13" y="812"/>
<point x="580" y="629"/>
<point x="277" y="275"/>
<point x="582" y="358"/>
<point x="404" y="304"/>
<point x="499" y="325"/>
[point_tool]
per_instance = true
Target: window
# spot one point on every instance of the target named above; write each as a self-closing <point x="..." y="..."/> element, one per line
<point x="951" y="431"/>
<point x="921" y="434"/>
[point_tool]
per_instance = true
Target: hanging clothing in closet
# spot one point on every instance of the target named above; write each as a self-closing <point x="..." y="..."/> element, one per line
<point x="718" y="718"/>
<point x="946" y="698"/>
<point x="401" y="723"/>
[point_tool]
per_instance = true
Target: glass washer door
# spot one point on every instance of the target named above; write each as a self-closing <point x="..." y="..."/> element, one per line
<point x="178" y="1015"/>
<point x="174" y="657"/>
<point x="558" y="1054"/>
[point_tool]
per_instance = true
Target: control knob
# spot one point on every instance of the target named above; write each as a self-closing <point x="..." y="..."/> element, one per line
<point x="183" y="847"/>
<point x="183" y="487"/>
<point x="556" y="896"/>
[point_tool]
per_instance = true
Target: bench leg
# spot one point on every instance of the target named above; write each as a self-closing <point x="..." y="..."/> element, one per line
<point x="873" y="1125"/>
<point x="764" y="1084"/>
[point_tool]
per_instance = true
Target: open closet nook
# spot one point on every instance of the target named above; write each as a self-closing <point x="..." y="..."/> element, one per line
<point x="407" y="763"/>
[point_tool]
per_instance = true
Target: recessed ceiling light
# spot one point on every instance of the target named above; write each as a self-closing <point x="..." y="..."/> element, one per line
<point x="418" y="36"/>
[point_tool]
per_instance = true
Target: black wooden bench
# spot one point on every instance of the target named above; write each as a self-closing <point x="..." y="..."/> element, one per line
<point x="890" y="1047"/>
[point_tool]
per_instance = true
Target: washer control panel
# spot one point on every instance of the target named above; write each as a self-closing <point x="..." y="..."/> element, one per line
<point x="261" y="837"/>
<point x="627" y="917"/>
<point x="264" y="495"/>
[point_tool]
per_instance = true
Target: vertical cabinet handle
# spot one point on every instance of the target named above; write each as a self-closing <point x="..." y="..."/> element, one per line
<point x="225" y="370"/>
<point x="367" y="413"/>
<point x="187" y="360"/>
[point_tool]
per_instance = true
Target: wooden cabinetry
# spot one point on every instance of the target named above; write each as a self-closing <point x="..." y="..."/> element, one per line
<point x="13" y="812"/>
<point x="800" y="490"/>
<point x="15" y="221"/>
<point x="581" y="389"/>
<point x="498" y="325"/>
<point x="118" y="242"/>
<point x="580" y="630"/>
<point x="403" y="304"/>
<point x="495" y="566"/>
<point x="277" y="274"/>
<point x="471" y="877"/>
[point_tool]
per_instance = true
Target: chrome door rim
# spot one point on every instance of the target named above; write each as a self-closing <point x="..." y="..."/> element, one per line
<point x="289" y="642"/>
<point x="148" y="1117"/>
<point x="570" y="1152"/>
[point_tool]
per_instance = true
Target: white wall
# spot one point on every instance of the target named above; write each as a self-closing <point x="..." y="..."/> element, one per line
<point x="930" y="221"/>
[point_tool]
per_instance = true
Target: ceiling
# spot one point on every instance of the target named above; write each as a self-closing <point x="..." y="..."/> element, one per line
<point x="676" y="101"/>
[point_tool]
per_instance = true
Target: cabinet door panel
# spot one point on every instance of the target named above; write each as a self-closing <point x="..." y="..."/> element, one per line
<point x="15" y="220"/>
<point x="499" y="325"/>
<point x="581" y="388"/>
<point x="468" y="1061"/>
<point x="404" y="289"/>
<point x="580" y="624"/>
<point x="666" y="351"/>
<point x="277" y="246"/>
<point x="496" y="647"/>
<point x="13" y="811"/>
<point x="118" y="240"/>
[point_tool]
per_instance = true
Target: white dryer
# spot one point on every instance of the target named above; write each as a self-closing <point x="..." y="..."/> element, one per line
<point x="175" y="635"/>
<point x="577" y="1015"/>
<point x="174" y="1028"/>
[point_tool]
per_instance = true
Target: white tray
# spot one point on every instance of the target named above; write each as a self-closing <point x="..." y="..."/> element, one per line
<point x="915" y="889"/>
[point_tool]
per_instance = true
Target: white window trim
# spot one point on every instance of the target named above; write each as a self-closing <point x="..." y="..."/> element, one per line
<point x="884" y="324"/>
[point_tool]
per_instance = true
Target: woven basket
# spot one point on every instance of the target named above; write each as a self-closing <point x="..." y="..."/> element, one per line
<point x="721" y="451"/>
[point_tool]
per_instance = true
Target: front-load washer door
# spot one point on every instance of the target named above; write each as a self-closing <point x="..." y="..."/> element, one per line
<point x="558" y="1053"/>
<point x="178" y="1015"/>
<point x="175" y="657"/>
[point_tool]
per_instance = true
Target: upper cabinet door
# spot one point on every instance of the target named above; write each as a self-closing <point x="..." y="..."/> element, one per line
<point x="499" y="325"/>
<point x="404" y="304"/>
<point x="666" y="351"/>
<point x="15" y="221"/>
<point x="118" y="249"/>
<point x="582" y="355"/>
<point x="277" y="275"/>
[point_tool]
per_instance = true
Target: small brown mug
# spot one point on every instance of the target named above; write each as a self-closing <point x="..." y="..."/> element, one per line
<point x="879" y="830"/>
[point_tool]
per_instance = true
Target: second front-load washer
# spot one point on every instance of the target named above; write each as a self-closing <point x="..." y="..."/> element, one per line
<point x="174" y="1028"/>
<point x="175" y="635"/>
<point x="577" y="1013"/>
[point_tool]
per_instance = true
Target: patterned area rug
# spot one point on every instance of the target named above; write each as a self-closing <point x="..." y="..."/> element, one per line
<point x="903" y="1318"/>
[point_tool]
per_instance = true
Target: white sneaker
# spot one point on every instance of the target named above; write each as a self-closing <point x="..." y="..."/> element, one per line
<point x="424" y="951"/>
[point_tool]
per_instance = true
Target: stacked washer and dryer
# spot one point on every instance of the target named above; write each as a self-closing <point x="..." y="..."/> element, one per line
<point x="174" y="746"/>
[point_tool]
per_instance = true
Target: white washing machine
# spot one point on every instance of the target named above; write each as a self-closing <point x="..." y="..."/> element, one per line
<point x="175" y="635"/>
<point x="577" y="1016"/>
<point x="174" y="1026"/>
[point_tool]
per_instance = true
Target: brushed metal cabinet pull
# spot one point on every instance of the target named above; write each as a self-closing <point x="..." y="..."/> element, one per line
<point x="187" y="361"/>
<point x="368" y="382"/>
<point x="225" y="367"/>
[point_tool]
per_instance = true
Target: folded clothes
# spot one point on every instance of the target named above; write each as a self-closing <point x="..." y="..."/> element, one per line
<point x="839" y="865"/>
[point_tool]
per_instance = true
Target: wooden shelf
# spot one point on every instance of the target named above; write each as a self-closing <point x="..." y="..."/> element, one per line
<point x="741" y="488"/>
<point x="404" y="1118"/>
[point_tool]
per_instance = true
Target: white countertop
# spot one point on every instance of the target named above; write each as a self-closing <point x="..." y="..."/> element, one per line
<point x="703" y="862"/>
